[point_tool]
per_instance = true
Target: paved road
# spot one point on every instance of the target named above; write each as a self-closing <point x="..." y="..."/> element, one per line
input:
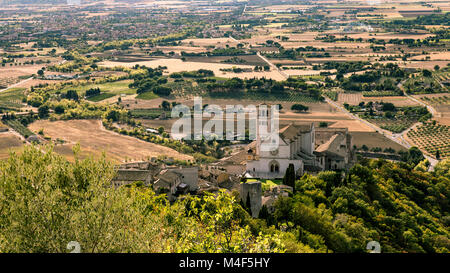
<point x="282" y="73"/>
<point x="232" y="38"/>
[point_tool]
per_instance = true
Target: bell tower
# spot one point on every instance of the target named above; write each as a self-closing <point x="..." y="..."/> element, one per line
<point x="263" y="125"/>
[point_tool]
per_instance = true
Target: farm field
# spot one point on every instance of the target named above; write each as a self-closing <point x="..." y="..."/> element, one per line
<point x="100" y="97"/>
<point x="12" y="98"/>
<point x="92" y="79"/>
<point x="325" y="45"/>
<point x="435" y="99"/>
<point x="441" y="103"/>
<point x="374" y="140"/>
<point x="203" y="42"/>
<point x="393" y="125"/>
<point x="9" y="142"/>
<point x="423" y="64"/>
<point x="244" y="59"/>
<point x="110" y="88"/>
<point x="177" y="65"/>
<point x="13" y="74"/>
<point x="431" y="138"/>
<point x="3" y="126"/>
<point x="390" y="35"/>
<point x="35" y="82"/>
<point x="356" y="98"/>
<point x="93" y="138"/>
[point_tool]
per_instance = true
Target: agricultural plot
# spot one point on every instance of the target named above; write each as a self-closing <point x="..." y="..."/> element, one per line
<point x="395" y="125"/>
<point x="374" y="140"/>
<point x="177" y="65"/>
<point x="9" y="142"/>
<point x="93" y="138"/>
<point x="107" y="89"/>
<point x="431" y="138"/>
<point x="18" y="127"/>
<point x="357" y="98"/>
<point x="151" y="113"/>
<point x="147" y="96"/>
<point x="7" y="81"/>
<point x="11" y="99"/>
<point x="424" y="85"/>
<point x="244" y="59"/>
<point x="265" y="97"/>
<point x="379" y="93"/>
<point x="100" y="97"/>
<point x="441" y="99"/>
<point x="390" y="117"/>
<point x="3" y="127"/>
<point x="332" y="95"/>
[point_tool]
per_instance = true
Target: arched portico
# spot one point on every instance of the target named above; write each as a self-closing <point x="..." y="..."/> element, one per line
<point x="274" y="166"/>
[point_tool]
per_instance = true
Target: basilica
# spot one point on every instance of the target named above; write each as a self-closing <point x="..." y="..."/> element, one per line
<point x="306" y="147"/>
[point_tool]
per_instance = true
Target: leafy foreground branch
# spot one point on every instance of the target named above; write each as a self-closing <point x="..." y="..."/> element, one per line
<point x="46" y="202"/>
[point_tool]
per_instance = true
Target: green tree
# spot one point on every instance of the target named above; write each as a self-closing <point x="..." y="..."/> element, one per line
<point x="43" y="111"/>
<point x="299" y="107"/>
<point x="289" y="176"/>
<point x="47" y="202"/>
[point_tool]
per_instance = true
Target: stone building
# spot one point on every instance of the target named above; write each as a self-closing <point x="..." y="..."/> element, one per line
<point x="141" y="171"/>
<point x="252" y="190"/>
<point x="334" y="148"/>
<point x="125" y="177"/>
<point x="175" y="181"/>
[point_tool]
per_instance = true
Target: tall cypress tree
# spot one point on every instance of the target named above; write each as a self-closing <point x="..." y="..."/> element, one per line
<point x="263" y="213"/>
<point x="289" y="176"/>
<point x="248" y="205"/>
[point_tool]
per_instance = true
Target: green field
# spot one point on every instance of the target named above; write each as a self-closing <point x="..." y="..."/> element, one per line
<point x="107" y="90"/>
<point x="18" y="127"/>
<point x="100" y="97"/>
<point x="12" y="98"/>
<point x="147" y="96"/>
